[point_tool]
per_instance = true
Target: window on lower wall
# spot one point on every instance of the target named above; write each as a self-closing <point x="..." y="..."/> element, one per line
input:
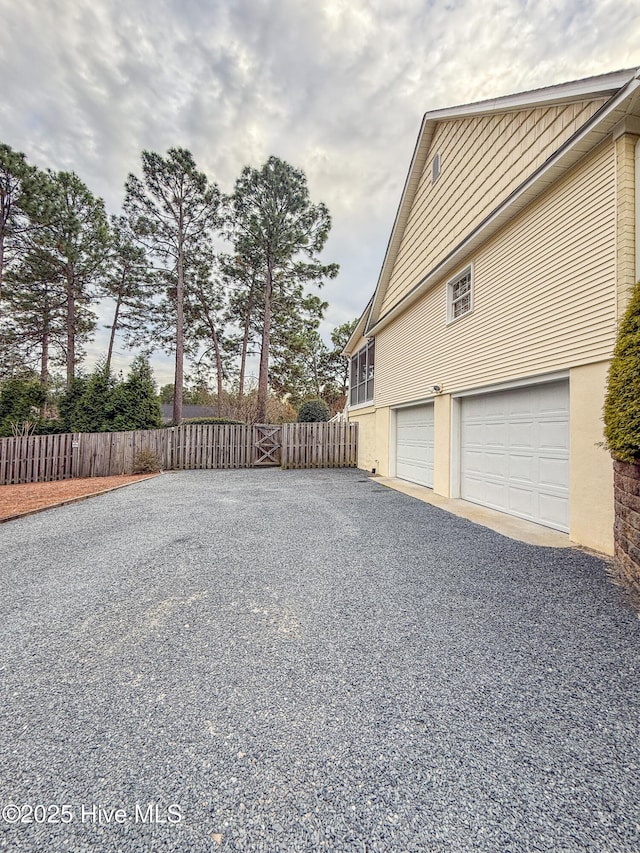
<point x="460" y="295"/>
<point x="361" y="376"/>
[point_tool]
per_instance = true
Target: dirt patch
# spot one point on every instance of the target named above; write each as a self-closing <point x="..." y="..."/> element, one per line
<point x="32" y="497"/>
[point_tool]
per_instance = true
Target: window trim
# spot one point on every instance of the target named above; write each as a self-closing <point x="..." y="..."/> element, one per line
<point x="368" y="375"/>
<point x="467" y="271"/>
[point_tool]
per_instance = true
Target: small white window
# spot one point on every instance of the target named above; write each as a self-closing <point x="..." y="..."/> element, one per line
<point x="435" y="168"/>
<point x="460" y="295"/>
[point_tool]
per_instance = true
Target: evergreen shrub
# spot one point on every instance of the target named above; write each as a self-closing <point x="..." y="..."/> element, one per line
<point x="622" y="402"/>
<point x="21" y="400"/>
<point x="313" y="411"/>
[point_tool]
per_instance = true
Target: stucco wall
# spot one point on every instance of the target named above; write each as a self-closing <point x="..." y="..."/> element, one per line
<point x="591" y="508"/>
<point x="366" y="420"/>
<point x="373" y="438"/>
<point x="442" y="445"/>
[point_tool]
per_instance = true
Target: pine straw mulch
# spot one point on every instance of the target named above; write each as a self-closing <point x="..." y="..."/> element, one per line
<point x="33" y="497"/>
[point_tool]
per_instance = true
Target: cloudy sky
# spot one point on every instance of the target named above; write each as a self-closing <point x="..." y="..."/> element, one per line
<point x="336" y="87"/>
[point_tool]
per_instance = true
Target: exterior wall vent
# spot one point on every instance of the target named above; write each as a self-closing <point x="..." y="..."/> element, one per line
<point x="435" y="168"/>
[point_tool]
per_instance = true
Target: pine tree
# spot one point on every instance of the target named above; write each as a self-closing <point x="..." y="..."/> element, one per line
<point x="16" y="182"/>
<point x="128" y="282"/>
<point x="72" y="234"/>
<point x="172" y="212"/>
<point x="277" y="231"/>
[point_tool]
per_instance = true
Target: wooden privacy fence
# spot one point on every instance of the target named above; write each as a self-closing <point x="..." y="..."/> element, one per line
<point x="40" y="458"/>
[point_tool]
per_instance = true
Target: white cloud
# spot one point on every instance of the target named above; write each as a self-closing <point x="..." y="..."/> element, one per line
<point x="336" y="87"/>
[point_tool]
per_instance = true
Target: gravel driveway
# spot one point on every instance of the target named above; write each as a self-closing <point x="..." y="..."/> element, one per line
<point x="305" y="661"/>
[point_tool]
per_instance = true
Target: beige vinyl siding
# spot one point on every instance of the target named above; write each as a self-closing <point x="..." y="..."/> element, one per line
<point x="626" y="186"/>
<point x="483" y="159"/>
<point x="543" y="295"/>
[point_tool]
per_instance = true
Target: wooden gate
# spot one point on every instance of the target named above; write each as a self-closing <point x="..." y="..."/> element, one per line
<point x="40" y="458"/>
<point x="267" y="445"/>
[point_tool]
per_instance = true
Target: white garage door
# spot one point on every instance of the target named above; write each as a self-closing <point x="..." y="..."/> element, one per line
<point x="414" y="444"/>
<point x="515" y="452"/>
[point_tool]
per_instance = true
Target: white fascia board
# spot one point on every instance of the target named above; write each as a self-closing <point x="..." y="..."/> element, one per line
<point x="412" y="181"/>
<point x="592" y="133"/>
<point x="358" y="332"/>
<point x="591" y="87"/>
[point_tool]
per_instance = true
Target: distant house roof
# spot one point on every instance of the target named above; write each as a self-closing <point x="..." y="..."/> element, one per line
<point x="187" y="412"/>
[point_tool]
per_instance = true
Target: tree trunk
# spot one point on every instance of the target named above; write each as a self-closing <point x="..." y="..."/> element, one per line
<point x="112" y="336"/>
<point x="245" y="347"/>
<point x="44" y="356"/>
<point x="216" y="349"/>
<point x="216" y="346"/>
<point x="44" y="359"/>
<point x="71" y="327"/>
<point x="1" y="268"/>
<point x="263" y="379"/>
<point x="179" y="372"/>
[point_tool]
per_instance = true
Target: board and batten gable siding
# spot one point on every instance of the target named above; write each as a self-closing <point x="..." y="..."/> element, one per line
<point x="483" y="159"/>
<point x="544" y="298"/>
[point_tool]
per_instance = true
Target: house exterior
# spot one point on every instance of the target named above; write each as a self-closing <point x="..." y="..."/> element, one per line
<point x="190" y="411"/>
<point x="479" y="367"/>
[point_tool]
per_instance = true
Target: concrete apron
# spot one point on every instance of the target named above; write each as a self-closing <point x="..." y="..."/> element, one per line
<point x="507" y="525"/>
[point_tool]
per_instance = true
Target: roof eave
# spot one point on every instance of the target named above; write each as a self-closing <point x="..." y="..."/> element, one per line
<point x="358" y="332"/>
<point x="590" y="87"/>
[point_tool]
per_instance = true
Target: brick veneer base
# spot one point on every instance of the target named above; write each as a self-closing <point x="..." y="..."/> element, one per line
<point x="626" y="529"/>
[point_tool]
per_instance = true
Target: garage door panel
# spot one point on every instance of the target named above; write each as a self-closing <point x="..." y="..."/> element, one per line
<point x="497" y="492"/>
<point x="519" y="406"/>
<point x="474" y="434"/>
<point x="495" y="434"/>
<point x="415" y="444"/>
<point x="475" y="462"/>
<point x="554" y="435"/>
<point x="523" y="468"/>
<point x="554" y="511"/>
<point x="486" y="491"/>
<point x="406" y="429"/>
<point x="496" y="464"/>
<point x="414" y="433"/>
<point x="553" y="472"/>
<point x="555" y="398"/>
<point x="521" y="501"/>
<point x="515" y="452"/>
<point x="416" y="472"/>
<point x="521" y="434"/>
<point x="416" y="453"/>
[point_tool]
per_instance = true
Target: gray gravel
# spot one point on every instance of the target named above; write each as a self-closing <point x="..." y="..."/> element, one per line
<point x="307" y="661"/>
